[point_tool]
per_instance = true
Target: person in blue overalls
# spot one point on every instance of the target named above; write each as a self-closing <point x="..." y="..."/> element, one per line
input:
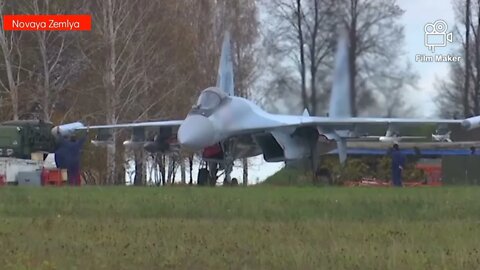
<point x="398" y="163"/>
<point x="68" y="156"/>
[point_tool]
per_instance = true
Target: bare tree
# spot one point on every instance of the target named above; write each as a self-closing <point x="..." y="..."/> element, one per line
<point x="374" y="34"/>
<point x="127" y="55"/>
<point x="472" y="73"/>
<point x="460" y="93"/>
<point x="58" y="64"/>
<point x="375" y="50"/>
<point x="301" y="47"/>
<point x="305" y="32"/>
<point x="467" y="58"/>
<point x="12" y="56"/>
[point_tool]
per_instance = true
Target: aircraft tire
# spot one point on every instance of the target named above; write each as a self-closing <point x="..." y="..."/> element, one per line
<point x="324" y="176"/>
<point x="202" y="178"/>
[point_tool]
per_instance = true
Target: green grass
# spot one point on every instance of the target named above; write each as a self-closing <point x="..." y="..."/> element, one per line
<point x="240" y="228"/>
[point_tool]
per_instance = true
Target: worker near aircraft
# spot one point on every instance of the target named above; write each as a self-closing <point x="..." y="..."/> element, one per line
<point x="68" y="156"/>
<point x="398" y="163"/>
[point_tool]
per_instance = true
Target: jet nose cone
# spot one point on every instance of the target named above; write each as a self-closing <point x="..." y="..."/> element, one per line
<point x="196" y="133"/>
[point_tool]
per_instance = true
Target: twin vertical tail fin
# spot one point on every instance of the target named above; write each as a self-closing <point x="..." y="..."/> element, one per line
<point x="340" y="96"/>
<point x="340" y="106"/>
<point x="225" y="68"/>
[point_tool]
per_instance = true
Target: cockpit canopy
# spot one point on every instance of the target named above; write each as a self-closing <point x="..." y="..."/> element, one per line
<point x="210" y="99"/>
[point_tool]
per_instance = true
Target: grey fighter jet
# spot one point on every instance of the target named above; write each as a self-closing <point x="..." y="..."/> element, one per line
<point x="224" y="127"/>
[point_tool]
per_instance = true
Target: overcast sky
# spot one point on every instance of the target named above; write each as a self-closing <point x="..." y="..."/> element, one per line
<point x="417" y="14"/>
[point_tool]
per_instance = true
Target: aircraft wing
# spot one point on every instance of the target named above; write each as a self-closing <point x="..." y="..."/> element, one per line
<point x="398" y="138"/>
<point x="172" y="123"/>
<point x="419" y="145"/>
<point x="164" y="134"/>
<point x="329" y="124"/>
<point x="359" y="121"/>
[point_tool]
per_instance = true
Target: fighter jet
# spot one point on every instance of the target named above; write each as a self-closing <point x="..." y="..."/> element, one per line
<point x="442" y="135"/>
<point x="224" y="127"/>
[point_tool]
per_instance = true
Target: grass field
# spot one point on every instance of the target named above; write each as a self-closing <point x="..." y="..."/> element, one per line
<point x="239" y="228"/>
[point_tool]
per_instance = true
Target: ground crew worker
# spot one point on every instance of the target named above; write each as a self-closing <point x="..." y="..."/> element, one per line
<point x="68" y="156"/>
<point x="398" y="163"/>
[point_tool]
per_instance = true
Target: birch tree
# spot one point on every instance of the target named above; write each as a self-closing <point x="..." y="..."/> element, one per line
<point x="124" y="57"/>
<point x="12" y="58"/>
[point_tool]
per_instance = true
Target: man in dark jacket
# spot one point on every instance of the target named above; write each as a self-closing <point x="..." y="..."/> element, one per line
<point x="68" y="156"/>
<point x="398" y="163"/>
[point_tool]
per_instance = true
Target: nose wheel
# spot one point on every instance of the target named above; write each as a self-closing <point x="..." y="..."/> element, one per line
<point x="228" y="161"/>
<point x="209" y="176"/>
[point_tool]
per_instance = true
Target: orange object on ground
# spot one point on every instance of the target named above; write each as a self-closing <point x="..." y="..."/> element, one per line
<point x="52" y="177"/>
<point x="433" y="172"/>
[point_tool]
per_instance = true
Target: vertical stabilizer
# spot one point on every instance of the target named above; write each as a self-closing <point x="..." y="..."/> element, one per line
<point x="340" y="96"/>
<point x="305" y="112"/>
<point x="225" y="67"/>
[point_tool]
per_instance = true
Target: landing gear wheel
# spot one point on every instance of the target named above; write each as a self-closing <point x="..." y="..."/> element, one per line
<point x="212" y="177"/>
<point x="225" y="183"/>
<point x="202" y="178"/>
<point x="234" y="182"/>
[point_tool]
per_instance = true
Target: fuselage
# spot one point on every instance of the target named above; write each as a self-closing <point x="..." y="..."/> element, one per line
<point x="232" y="116"/>
<point x="239" y="120"/>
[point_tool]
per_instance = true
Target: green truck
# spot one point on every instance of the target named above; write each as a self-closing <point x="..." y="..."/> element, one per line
<point x="20" y="138"/>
